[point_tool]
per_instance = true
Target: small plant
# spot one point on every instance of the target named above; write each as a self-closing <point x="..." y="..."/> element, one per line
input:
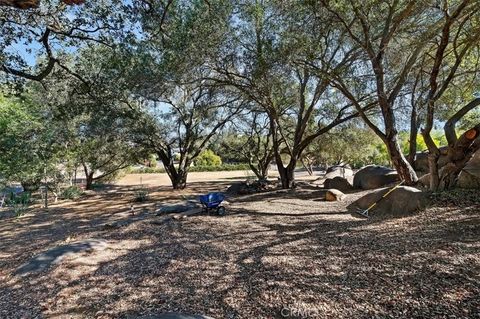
<point x="19" y="202"/>
<point x="141" y="195"/>
<point x="71" y="192"/>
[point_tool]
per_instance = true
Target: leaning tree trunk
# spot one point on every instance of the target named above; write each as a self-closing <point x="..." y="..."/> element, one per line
<point x="390" y="138"/>
<point x="412" y="148"/>
<point x="308" y="166"/>
<point x="403" y="167"/>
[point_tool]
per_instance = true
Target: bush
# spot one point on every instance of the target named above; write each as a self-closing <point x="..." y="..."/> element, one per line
<point x="19" y="202"/>
<point x="71" y="192"/>
<point x="223" y="167"/>
<point x="146" y="170"/>
<point x="141" y="195"/>
<point x="208" y="158"/>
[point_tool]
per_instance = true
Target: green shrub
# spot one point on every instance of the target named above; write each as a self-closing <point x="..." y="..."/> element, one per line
<point x="208" y="158"/>
<point x="19" y="202"/>
<point x="71" y="192"/>
<point x="220" y="168"/>
<point x="141" y="195"/>
<point x="146" y="170"/>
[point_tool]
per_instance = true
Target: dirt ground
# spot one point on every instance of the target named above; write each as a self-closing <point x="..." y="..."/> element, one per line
<point x="281" y="254"/>
<point x="194" y="177"/>
<point x="162" y="179"/>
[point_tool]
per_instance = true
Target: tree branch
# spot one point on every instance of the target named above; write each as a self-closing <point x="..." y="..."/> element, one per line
<point x="449" y="127"/>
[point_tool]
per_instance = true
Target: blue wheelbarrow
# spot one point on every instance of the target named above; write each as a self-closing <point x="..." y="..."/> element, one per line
<point x="211" y="202"/>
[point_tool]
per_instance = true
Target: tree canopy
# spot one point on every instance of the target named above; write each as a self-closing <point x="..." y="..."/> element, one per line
<point x="293" y="80"/>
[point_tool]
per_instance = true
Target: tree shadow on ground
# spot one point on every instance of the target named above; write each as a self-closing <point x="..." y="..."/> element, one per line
<point x="253" y="265"/>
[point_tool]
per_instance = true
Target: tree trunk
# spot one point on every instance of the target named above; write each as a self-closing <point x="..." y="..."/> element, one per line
<point x="177" y="177"/>
<point x="259" y="171"/>
<point x="264" y="172"/>
<point x="261" y="168"/>
<point x="401" y="164"/>
<point x="433" y="156"/>
<point x="433" y="170"/>
<point x="45" y="185"/>
<point x="180" y="180"/>
<point x="89" y="181"/>
<point x="403" y="167"/>
<point x="412" y="150"/>
<point x="88" y="177"/>
<point x="308" y="166"/>
<point x="287" y="174"/>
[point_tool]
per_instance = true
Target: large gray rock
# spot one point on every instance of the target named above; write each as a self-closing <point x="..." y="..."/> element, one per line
<point x="421" y="160"/>
<point x="338" y="170"/>
<point x="424" y="180"/>
<point x="470" y="175"/>
<point x="467" y="180"/>
<point x="339" y="183"/>
<point x="374" y="176"/>
<point x="402" y="201"/>
<point x="177" y="208"/>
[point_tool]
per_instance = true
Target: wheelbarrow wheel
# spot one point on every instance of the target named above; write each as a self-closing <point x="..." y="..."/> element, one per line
<point x="221" y="211"/>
